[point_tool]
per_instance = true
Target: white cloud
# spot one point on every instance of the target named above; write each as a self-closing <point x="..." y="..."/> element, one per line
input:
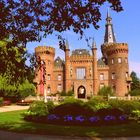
<point x="135" y="66"/>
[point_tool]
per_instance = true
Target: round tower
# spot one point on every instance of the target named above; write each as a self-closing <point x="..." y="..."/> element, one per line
<point x="44" y="70"/>
<point x="116" y="55"/>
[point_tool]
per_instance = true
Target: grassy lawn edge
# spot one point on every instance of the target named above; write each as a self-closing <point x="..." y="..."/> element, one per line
<point x="13" y="121"/>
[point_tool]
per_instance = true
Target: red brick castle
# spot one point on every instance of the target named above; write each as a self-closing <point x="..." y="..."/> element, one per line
<point x="81" y="71"/>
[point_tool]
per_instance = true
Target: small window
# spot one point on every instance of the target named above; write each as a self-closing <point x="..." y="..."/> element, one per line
<point x="113" y="76"/>
<point x="59" y="87"/>
<point x="49" y="89"/>
<point x="49" y="62"/>
<point x="112" y="61"/>
<point x="119" y="60"/>
<point x="59" y="77"/>
<point x="126" y="74"/>
<point x="48" y="77"/>
<point x="101" y="76"/>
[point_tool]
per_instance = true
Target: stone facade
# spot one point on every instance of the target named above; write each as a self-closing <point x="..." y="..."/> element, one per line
<point x="81" y="71"/>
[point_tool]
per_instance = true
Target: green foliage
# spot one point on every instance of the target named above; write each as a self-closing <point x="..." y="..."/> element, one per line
<point x="69" y="93"/>
<point x="102" y="105"/>
<point x="135" y="81"/>
<point x="126" y="106"/>
<point x="25" y="89"/>
<point x="106" y="91"/>
<point x="1" y="101"/>
<point x="38" y="108"/>
<point x="136" y="114"/>
<point x="135" y="92"/>
<point x="72" y="100"/>
<point x="50" y="106"/>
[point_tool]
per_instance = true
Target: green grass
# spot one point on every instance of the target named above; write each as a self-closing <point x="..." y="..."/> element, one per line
<point x="13" y="121"/>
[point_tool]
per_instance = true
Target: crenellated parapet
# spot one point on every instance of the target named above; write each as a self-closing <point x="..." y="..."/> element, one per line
<point x="40" y="50"/>
<point x="114" y="48"/>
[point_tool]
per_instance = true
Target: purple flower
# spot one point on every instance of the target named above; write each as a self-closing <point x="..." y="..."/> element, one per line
<point x="79" y="118"/>
<point x="123" y="117"/>
<point x="53" y="117"/>
<point x="94" y="119"/>
<point x="109" y="118"/>
<point x="68" y="118"/>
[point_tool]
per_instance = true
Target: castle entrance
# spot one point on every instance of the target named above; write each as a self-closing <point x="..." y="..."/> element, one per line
<point x="81" y="92"/>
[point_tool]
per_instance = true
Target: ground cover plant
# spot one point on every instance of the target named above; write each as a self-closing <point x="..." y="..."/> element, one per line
<point x="13" y="121"/>
<point x="77" y="112"/>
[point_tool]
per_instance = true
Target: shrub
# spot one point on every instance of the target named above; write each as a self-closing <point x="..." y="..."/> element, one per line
<point x="72" y="109"/>
<point x="105" y="91"/>
<point x="136" y="114"/>
<point x="135" y="92"/>
<point x="38" y="108"/>
<point x="50" y="106"/>
<point x="126" y="106"/>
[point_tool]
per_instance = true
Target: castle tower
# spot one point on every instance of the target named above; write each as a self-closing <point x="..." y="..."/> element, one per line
<point x="95" y="72"/>
<point x="116" y="57"/>
<point x="44" y="71"/>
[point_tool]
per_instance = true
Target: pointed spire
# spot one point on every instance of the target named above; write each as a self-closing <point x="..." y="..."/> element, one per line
<point x="93" y="43"/>
<point x="109" y="33"/>
<point x="108" y="14"/>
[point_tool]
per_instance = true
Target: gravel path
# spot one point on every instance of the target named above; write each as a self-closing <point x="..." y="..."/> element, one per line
<point x="12" y="108"/>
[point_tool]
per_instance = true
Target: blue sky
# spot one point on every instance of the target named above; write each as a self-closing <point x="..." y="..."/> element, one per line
<point x="126" y="26"/>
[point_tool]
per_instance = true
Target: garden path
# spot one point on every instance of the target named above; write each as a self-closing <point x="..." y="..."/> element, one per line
<point x="12" y="108"/>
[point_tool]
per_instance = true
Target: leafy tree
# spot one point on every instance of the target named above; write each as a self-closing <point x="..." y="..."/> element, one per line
<point x="135" y="86"/>
<point x="105" y="91"/>
<point x="135" y="81"/>
<point x="23" y="20"/>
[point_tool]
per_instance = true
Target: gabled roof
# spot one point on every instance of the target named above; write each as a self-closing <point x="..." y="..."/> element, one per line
<point x="100" y="62"/>
<point x="58" y="62"/>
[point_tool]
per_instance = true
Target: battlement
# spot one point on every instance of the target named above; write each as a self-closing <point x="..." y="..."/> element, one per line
<point x="114" y="45"/>
<point x="45" y="50"/>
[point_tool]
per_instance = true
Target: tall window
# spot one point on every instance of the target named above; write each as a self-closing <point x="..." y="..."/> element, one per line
<point x="119" y="60"/>
<point x="101" y="76"/>
<point x="48" y="77"/>
<point x="59" y="87"/>
<point x="112" y="61"/>
<point x="49" y="89"/>
<point x="59" y="77"/>
<point x="126" y="74"/>
<point x="113" y="75"/>
<point x="80" y="73"/>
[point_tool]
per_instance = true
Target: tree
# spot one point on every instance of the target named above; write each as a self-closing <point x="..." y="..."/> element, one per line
<point x="30" y="20"/>
<point x="12" y="61"/>
<point x="135" y="81"/>
<point x="106" y="91"/>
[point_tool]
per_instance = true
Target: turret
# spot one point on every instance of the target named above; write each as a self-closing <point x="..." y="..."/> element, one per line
<point x="44" y="74"/>
<point x="95" y="72"/>
<point x="116" y="56"/>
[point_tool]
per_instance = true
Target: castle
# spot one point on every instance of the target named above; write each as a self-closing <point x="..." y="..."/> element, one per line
<point x="81" y="71"/>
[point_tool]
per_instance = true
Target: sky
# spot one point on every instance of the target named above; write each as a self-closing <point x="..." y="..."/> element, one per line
<point x="126" y="26"/>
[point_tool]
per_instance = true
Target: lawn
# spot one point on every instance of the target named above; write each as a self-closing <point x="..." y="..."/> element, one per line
<point x="13" y="121"/>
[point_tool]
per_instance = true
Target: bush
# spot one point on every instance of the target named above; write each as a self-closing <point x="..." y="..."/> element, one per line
<point x="135" y="92"/>
<point x="69" y="93"/>
<point x="126" y="106"/>
<point x="38" y="108"/>
<point x="72" y="109"/>
<point x="50" y="106"/>
<point x="105" y="91"/>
